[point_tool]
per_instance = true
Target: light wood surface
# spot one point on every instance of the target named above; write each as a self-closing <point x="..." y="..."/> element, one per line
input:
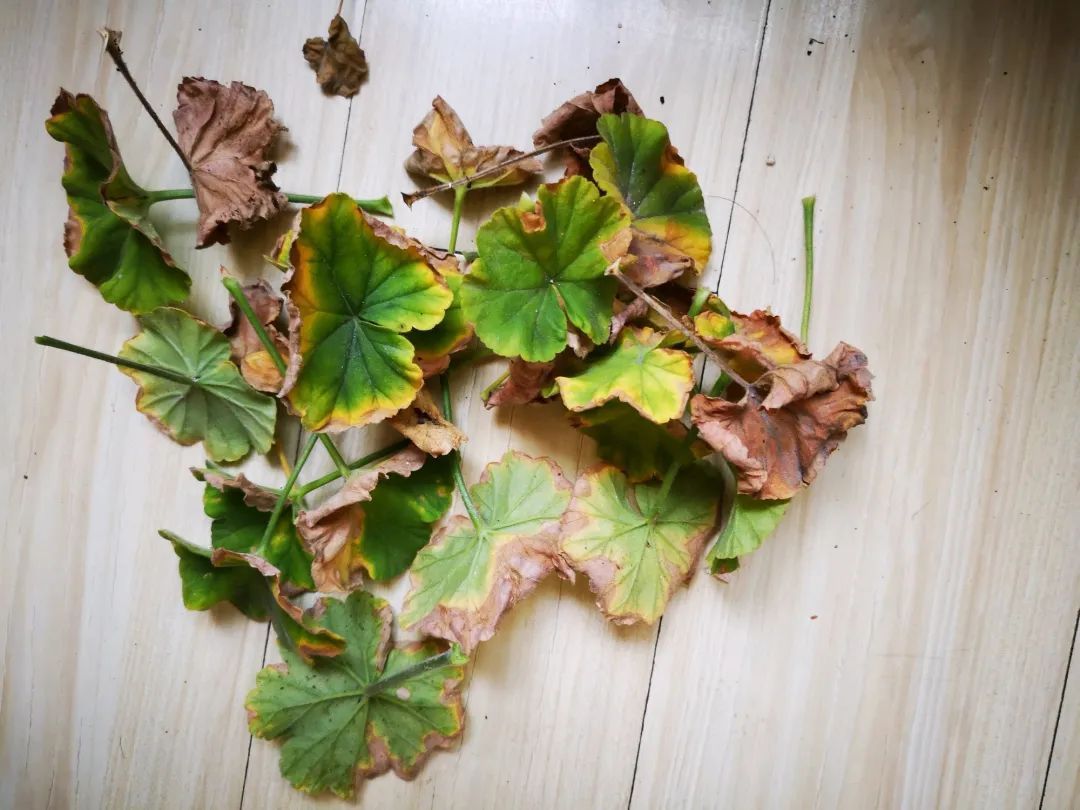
<point x="901" y="642"/>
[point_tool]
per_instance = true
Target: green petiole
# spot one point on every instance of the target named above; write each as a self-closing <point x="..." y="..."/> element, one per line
<point x="808" y="289"/>
<point x="74" y="348"/>
<point x="380" y="205"/>
<point x="459" y="479"/>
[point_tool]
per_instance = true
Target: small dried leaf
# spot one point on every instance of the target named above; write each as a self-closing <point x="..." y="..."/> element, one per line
<point x="577" y="118"/>
<point x="338" y="720"/>
<point x="354" y="531"/>
<point x="470" y="575"/>
<point x="524" y="383"/>
<point x="338" y="61"/>
<point x="752" y="344"/>
<point x="226" y="133"/>
<point x="423" y="424"/>
<point x="248" y="352"/>
<point x="778" y="443"/>
<point x="445" y="152"/>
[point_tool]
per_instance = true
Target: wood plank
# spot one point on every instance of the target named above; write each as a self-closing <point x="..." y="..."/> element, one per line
<point x="113" y="694"/>
<point x="555" y="687"/>
<point x="901" y="641"/>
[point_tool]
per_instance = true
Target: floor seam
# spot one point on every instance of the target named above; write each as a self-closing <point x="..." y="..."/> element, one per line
<point x="1061" y="706"/>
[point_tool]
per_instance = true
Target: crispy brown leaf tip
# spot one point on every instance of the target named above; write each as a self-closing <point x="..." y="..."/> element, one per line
<point x="329" y="529"/>
<point x="247" y="350"/>
<point x="255" y="496"/>
<point x="423" y="424"/>
<point x="577" y="118"/>
<point x="226" y="133"/>
<point x="780" y="434"/>
<point x="445" y="152"/>
<point x="338" y="61"/>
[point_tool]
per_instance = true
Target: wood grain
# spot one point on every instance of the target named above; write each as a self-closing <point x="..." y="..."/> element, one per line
<point x="939" y="553"/>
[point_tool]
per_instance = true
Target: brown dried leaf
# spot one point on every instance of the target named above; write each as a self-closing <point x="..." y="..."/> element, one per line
<point x="255" y="496"/>
<point x="759" y="344"/>
<point x="329" y="529"/>
<point x="423" y="424"/>
<point x="524" y="383"/>
<point x="445" y="152"/>
<point x="338" y="61"/>
<point x="778" y="443"/>
<point x="247" y="351"/>
<point x="652" y="261"/>
<point x="577" y="118"/>
<point x="630" y="312"/>
<point x="226" y="133"/>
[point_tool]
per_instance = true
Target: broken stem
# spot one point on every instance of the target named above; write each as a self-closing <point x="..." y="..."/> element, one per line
<point x="379" y="205"/>
<point x="237" y="293"/>
<point x="74" y="348"/>
<point x="675" y="324"/>
<point x="466" y="182"/>
<point x="459" y="479"/>
<point x="283" y="498"/>
<point x="112" y="48"/>
<point x="808" y="288"/>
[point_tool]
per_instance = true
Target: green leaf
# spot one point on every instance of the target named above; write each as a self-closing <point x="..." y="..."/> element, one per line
<point x="356" y="294"/>
<point x="108" y="238"/>
<point x="470" y="574"/>
<point x="378" y="520"/>
<point x="655" y="381"/>
<point x="635" y="547"/>
<point x="640" y="448"/>
<point x="216" y="406"/>
<point x="637" y="166"/>
<point x="434" y="346"/>
<point x="238" y="525"/>
<point x="204" y="585"/>
<point x="750" y="522"/>
<point x="539" y="269"/>
<point x="370" y="709"/>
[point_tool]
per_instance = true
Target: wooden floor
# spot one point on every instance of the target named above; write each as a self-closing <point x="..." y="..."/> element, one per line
<point x="903" y="641"/>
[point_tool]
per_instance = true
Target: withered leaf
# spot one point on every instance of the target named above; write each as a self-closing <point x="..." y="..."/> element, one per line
<point x="445" y="152"/>
<point x="423" y="424"/>
<point x="226" y="133"/>
<point x="524" y="382"/>
<point x="778" y="436"/>
<point x="338" y="61"/>
<point x="577" y="118"/>
<point x="340" y="535"/>
<point x="247" y="350"/>
<point x="758" y="343"/>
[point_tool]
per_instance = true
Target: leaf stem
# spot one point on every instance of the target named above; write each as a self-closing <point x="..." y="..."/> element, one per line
<point x="379" y="205"/>
<point x="459" y="479"/>
<point x="459" y="205"/>
<point x="419" y="668"/>
<point x="701" y="295"/>
<point x="237" y="293"/>
<point x="466" y="182"/>
<point x="112" y="48"/>
<point x="675" y="324"/>
<point x="808" y="288"/>
<point x="371" y="458"/>
<point x="164" y="373"/>
<point x="283" y="498"/>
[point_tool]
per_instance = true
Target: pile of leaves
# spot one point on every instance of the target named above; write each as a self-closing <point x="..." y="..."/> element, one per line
<point x="587" y="292"/>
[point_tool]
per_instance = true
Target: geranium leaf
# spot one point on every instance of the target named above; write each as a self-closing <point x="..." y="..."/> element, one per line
<point x="247" y="350"/>
<point x="370" y="709"/>
<point x="338" y="60"/>
<point x="640" y="448"/>
<point x="636" y="547"/>
<point x="577" y="118"/>
<point x="748" y="524"/>
<point x="108" y="238"/>
<point x="655" y="381"/>
<point x="377" y="521"/>
<point x="539" y="269"/>
<point x="469" y="575"/>
<point x="445" y="152"/>
<point x="779" y="435"/>
<point x="215" y="406"/>
<point x="204" y="585"/>
<point x="355" y="295"/>
<point x="637" y="165"/>
<point x="423" y="424"/>
<point x="226" y="132"/>
<point x="240" y="515"/>
<point x="751" y="344"/>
